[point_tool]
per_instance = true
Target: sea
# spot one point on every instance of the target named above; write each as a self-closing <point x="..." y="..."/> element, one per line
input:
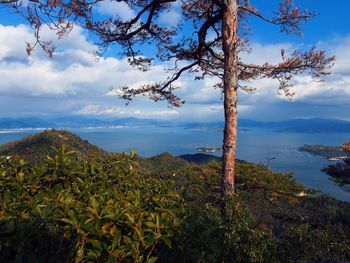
<point x="278" y="150"/>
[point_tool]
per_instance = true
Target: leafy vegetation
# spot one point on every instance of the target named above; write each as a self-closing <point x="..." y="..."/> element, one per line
<point x="35" y="148"/>
<point x="123" y="208"/>
<point x="101" y="211"/>
<point x="200" y="158"/>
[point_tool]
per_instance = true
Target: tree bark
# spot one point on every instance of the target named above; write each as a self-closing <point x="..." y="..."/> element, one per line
<point x="230" y="37"/>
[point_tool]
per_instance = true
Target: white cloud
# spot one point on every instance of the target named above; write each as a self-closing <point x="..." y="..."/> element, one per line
<point x="13" y="40"/>
<point x="336" y="86"/>
<point x="73" y="76"/>
<point x="340" y="48"/>
<point x="261" y="53"/>
<point x="74" y="81"/>
<point x="304" y="86"/>
<point x="170" y="18"/>
<point x="72" y="70"/>
<point x="114" y="8"/>
<point x="124" y="112"/>
<point x="200" y="91"/>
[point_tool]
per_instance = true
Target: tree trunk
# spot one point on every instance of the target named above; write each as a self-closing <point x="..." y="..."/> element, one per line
<point x="229" y="33"/>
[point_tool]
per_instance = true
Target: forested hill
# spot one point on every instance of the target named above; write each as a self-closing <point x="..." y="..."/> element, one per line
<point x="36" y="147"/>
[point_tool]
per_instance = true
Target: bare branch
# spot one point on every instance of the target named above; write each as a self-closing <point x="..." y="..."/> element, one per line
<point x="288" y="17"/>
<point x="314" y="62"/>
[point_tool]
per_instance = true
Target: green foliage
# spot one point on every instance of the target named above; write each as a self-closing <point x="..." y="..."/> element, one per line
<point x="320" y="226"/>
<point x="319" y="242"/>
<point x="245" y="239"/>
<point x="260" y="178"/>
<point x="303" y="228"/>
<point x="123" y="208"/>
<point x="211" y="233"/>
<point x="35" y="148"/>
<point x="106" y="210"/>
<point x="264" y="222"/>
<point x="162" y="165"/>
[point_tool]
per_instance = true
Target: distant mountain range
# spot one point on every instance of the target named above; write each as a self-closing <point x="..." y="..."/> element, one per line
<point x="293" y="125"/>
<point x="8" y="123"/>
<point x="72" y="122"/>
<point x="301" y="125"/>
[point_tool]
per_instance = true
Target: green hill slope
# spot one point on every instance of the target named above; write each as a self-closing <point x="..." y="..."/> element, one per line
<point x="200" y="158"/>
<point x="35" y="148"/>
<point x="163" y="164"/>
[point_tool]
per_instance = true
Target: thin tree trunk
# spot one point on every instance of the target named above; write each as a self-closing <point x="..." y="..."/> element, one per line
<point x="229" y="32"/>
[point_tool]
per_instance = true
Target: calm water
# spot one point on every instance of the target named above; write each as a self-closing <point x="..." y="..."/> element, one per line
<point x="255" y="146"/>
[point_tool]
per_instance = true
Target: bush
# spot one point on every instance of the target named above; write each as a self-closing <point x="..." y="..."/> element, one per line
<point x="209" y="235"/>
<point x="95" y="210"/>
<point x="212" y="229"/>
<point x="104" y="210"/>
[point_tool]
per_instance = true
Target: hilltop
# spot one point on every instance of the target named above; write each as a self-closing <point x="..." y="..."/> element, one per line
<point x="36" y="147"/>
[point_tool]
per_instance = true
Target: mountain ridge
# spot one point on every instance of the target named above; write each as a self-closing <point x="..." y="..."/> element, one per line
<point x="311" y="125"/>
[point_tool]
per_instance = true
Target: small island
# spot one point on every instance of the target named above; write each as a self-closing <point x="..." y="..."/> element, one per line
<point x="208" y="149"/>
<point x="340" y="171"/>
<point x="329" y="152"/>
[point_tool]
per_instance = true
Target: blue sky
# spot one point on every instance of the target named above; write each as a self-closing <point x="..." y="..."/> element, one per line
<point x="332" y="20"/>
<point x="74" y="82"/>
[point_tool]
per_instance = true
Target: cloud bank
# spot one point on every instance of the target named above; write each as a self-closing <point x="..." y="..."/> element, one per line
<point x="75" y="81"/>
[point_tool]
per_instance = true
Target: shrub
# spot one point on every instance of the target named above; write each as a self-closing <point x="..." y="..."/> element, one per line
<point x="96" y="210"/>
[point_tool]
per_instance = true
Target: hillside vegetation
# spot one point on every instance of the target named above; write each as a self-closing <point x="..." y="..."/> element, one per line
<point x="124" y="208"/>
<point x="35" y="148"/>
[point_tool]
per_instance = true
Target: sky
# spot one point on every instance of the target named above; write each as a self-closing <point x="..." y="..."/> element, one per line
<point x="75" y="82"/>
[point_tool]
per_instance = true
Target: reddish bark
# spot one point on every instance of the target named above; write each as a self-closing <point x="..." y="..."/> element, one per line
<point x="230" y="86"/>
